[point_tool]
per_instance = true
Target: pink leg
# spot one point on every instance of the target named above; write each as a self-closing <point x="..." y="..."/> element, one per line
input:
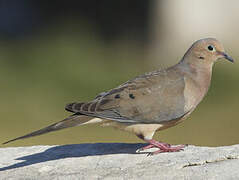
<point x="171" y="149"/>
<point x="163" y="147"/>
<point x="151" y="146"/>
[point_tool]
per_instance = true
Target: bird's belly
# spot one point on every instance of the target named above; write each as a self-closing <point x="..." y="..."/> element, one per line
<point x="145" y="130"/>
<point x="140" y="128"/>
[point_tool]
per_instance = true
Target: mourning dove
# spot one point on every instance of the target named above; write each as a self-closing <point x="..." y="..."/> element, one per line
<point x="150" y="102"/>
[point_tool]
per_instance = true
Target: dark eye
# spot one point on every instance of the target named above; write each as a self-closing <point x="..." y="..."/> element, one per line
<point x="210" y="48"/>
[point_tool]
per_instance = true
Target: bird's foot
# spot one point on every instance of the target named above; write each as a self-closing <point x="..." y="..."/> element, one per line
<point x="152" y="146"/>
<point x="163" y="147"/>
<point x="169" y="149"/>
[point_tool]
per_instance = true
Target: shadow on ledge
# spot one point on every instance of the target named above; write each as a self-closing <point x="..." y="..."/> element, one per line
<point x="75" y="150"/>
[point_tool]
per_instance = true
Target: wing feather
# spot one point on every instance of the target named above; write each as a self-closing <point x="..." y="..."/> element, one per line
<point x="151" y="98"/>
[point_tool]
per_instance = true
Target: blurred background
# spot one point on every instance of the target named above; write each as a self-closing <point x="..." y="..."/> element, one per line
<point x="56" y="52"/>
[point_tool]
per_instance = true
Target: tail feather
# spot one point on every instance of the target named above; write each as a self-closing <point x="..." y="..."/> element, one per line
<point x="71" y="121"/>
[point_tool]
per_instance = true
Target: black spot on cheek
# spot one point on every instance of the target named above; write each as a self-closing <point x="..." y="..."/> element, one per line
<point x="201" y="57"/>
<point x="117" y="96"/>
<point x="131" y="96"/>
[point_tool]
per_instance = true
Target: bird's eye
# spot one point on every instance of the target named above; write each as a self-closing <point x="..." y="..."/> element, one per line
<point x="210" y="48"/>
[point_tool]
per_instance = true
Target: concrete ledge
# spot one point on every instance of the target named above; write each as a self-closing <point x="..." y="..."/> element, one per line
<point x="117" y="161"/>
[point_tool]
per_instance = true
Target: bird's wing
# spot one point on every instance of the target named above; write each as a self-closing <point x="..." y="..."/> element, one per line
<point x="150" y="98"/>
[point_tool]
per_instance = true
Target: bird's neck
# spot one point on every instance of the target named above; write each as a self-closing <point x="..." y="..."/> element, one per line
<point x="199" y="73"/>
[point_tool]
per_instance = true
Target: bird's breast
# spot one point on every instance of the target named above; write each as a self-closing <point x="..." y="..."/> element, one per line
<point x="194" y="91"/>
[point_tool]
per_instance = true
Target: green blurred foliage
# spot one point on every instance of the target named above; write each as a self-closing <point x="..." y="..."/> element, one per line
<point x="41" y="74"/>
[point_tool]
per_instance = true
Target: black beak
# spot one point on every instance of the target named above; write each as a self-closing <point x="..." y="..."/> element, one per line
<point x="229" y="58"/>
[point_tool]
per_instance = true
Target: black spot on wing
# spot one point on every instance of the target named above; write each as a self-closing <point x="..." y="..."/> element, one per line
<point x="131" y="96"/>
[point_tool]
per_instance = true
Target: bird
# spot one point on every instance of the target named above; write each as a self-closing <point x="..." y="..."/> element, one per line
<point x="150" y="102"/>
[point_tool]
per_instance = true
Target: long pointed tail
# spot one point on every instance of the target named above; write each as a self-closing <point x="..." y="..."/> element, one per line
<point x="71" y="121"/>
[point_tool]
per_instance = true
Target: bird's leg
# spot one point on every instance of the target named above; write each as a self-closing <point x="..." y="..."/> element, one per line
<point x="152" y="146"/>
<point x="164" y="147"/>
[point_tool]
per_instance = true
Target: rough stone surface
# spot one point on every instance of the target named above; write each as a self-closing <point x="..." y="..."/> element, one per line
<point x="117" y="161"/>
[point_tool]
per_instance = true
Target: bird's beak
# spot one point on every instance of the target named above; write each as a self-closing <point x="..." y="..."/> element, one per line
<point x="226" y="56"/>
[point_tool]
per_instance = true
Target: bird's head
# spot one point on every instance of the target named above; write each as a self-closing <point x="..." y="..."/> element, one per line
<point x="206" y="51"/>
